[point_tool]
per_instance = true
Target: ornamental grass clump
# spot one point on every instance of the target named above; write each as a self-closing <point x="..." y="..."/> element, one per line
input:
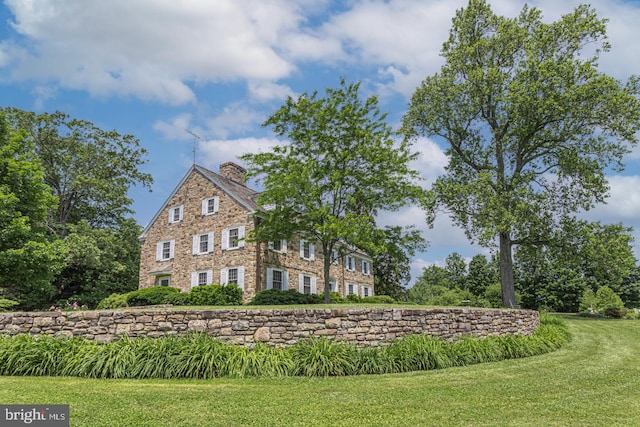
<point x="200" y="356"/>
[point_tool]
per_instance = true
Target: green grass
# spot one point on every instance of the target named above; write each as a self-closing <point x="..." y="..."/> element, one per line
<point x="592" y="381"/>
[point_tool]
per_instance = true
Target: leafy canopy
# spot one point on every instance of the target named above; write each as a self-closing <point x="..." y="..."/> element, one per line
<point x="339" y="169"/>
<point x="530" y="122"/>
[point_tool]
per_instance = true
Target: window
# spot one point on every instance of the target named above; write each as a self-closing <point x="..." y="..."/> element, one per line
<point x="202" y="243"/>
<point x="210" y="205"/>
<point x="232" y="275"/>
<point x="233" y="238"/>
<point x="278" y="246"/>
<point x="366" y="268"/>
<point x="333" y="284"/>
<point x="366" y="291"/>
<point x="201" y="278"/>
<point x="306" y="284"/>
<point x="277" y="279"/>
<point x="165" y="250"/>
<point x="334" y="257"/>
<point x="175" y="214"/>
<point x="307" y="250"/>
<point x="164" y="281"/>
<point x="351" y="263"/>
<point x="352" y="289"/>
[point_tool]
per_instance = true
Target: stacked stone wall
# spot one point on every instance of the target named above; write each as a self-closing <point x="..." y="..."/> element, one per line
<point x="360" y="326"/>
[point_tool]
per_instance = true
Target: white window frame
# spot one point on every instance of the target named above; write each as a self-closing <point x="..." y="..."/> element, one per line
<point x="225" y="238"/>
<point x="195" y="278"/>
<point x="285" y="278"/>
<point x="350" y="263"/>
<point x="172" y="216"/>
<point x="354" y="289"/>
<point x="312" y="250"/>
<point x="224" y="275"/>
<point x="313" y="288"/>
<point x="335" y="256"/>
<point x="197" y="243"/>
<point x="366" y="267"/>
<point x="160" y="250"/>
<point x="364" y="290"/>
<point x="206" y="205"/>
<point x="283" y="246"/>
<point x="333" y="284"/>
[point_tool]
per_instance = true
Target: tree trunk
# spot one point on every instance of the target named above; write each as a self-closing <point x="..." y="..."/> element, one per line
<point x="506" y="272"/>
<point x="327" y="284"/>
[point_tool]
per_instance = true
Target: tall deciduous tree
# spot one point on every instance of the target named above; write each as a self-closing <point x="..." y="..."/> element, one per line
<point x="392" y="265"/>
<point x="339" y="170"/>
<point x="29" y="258"/>
<point x="530" y="122"/>
<point x="89" y="169"/>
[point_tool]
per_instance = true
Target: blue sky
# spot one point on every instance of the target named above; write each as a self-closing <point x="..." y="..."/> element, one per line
<point x="220" y="68"/>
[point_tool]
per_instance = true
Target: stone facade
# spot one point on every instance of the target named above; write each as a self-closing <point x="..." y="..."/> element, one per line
<point x="211" y="206"/>
<point x="359" y="326"/>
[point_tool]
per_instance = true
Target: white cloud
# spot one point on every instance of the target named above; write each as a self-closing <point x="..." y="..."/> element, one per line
<point x="123" y="47"/>
<point x="623" y="203"/>
<point x="261" y="91"/>
<point x="176" y="128"/>
<point x="235" y="118"/>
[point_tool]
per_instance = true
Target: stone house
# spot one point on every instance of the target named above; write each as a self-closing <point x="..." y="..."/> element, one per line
<point x="197" y="238"/>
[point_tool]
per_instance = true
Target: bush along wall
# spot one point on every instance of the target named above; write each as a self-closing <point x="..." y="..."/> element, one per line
<point x="201" y="356"/>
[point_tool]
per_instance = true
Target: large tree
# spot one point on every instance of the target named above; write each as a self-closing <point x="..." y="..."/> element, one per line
<point x="530" y="122"/>
<point x="392" y="264"/>
<point x="340" y="167"/>
<point x="89" y="169"/>
<point x="29" y="256"/>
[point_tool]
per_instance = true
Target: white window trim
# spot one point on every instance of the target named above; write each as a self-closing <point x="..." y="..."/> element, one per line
<point x="225" y="238"/>
<point x="180" y="214"/>
<point x="362" y="290"/>
<point x="159" y="251"/>
<point x="224" y="275"/>
<point x="313" y="282"/>
<point x="335" y="256"/>
<point x="285" y="278"/>
<point x="205" y="205"/>
<point x="350" y="260"/>
<point x="312" y="250"/>
<point x="196" y="243"/>
<point x="333" y="284"/>
<point x="195" y="275"/>
<point x="283" y="246"/>
<point x="346" y="289"/>
<point x="368" y="269"/>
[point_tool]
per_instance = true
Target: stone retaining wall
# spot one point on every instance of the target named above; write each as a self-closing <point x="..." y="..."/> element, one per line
<point x="360" y="326"/>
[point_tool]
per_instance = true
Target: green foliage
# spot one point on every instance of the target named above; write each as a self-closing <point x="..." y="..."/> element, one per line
<point x="340" y="167"/>
<point x="278" y="297"/>
<point x="201" y="356"/>
<point x="604" y="302"/>
<point x="7" y="304"/>
<point x="216" y="295"/>
<point x="150" y="296"/>
<point x="113" y="301"/>
<point x="378" y="299"/>
<point x="531" y="123"/>
<point x="29" y="257"/>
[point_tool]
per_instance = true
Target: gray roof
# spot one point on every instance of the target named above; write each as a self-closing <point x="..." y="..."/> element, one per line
<point x="242" y="194"/>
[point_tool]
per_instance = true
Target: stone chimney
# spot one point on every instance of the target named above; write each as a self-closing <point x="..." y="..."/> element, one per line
<point x="233" y="172"/>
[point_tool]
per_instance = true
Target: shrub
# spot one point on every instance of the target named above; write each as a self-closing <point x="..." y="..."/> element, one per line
<point x="113" y="301"/>
<point x="354" y="298"/>
<point x="278" y="297"/>
<point x="178" y="298"/>
<point x="216" y="295"/>
<point x="7" y="304"/>
<point x="336" y="298"/>
<point x="604" y="301"/>
<point x="150" y="296"/>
